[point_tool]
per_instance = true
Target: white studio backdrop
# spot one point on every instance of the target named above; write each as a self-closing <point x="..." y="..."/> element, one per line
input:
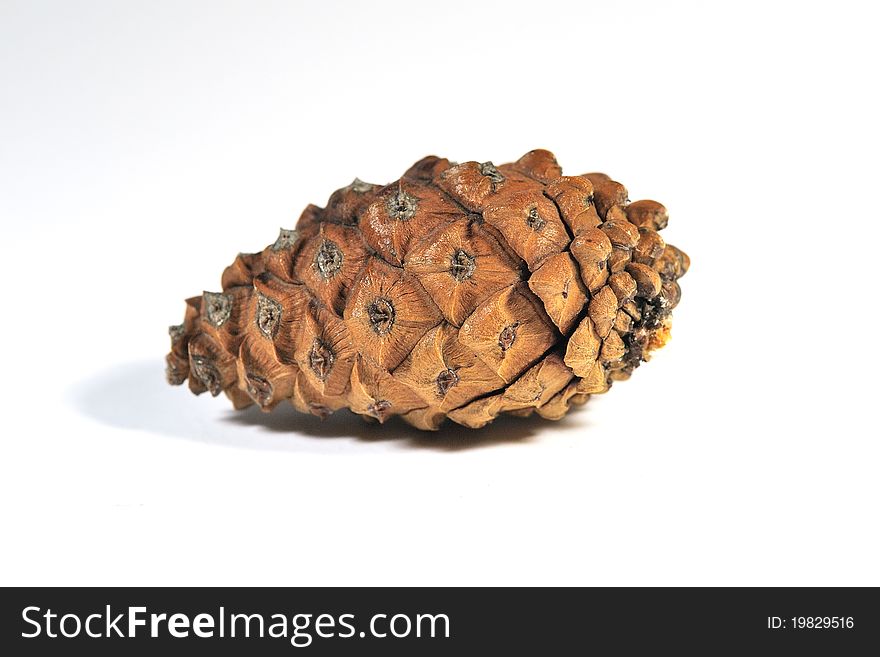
<point x="144" y="144"/>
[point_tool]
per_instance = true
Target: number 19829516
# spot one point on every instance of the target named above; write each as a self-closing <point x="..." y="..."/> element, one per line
<point x="811" y="623"/>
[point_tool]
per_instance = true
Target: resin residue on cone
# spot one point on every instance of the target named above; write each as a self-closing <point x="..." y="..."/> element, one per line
<point x="460" y="291"/>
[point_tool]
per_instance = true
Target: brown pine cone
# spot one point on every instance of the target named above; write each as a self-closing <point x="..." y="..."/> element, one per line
<point x="461" y="291"/>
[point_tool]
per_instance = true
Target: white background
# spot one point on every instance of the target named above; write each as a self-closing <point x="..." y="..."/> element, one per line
<point x="143" y="144"/>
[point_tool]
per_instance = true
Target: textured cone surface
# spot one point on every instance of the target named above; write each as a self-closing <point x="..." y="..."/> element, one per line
<point x="460" y="291"/>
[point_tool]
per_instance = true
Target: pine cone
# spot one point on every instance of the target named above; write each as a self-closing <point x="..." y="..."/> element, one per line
<point x="461" y="291"/>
